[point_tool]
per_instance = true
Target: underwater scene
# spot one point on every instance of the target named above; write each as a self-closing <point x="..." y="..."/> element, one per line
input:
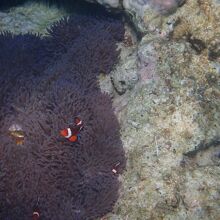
<point x="109" y="109"/>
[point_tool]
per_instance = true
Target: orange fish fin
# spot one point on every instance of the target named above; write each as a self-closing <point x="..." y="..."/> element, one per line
<point x="73" y="138"/>
<point x="64" y="132"/>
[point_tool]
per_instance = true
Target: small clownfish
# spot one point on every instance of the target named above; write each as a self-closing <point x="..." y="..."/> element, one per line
<point x="72" y="132"/>
<point x="35" y="215"/>
<point x="17" y="133"/>
<point x="114" y="170"/>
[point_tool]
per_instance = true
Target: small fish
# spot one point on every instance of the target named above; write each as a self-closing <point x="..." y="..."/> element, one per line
<point x="72" y="132"/>
<point x="16" y="132"/>
<point x="114" y="169"/>
<point x="35" y="215"/>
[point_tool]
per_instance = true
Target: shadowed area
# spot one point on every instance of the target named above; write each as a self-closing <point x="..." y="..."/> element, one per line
<point x="45" y="83"/>
<point x="78" y="6"/>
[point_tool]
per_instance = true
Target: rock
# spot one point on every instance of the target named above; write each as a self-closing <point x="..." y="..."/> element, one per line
<point x="30" y="17"/>
<point x="124" y="77"/>
<point x="107" y="3"/>
<point x="165" y="6"/>
<point x="106" y="85"/>
<point x="170" y="120"/>
<point x="144" y="11"/>
<point x="164" y="119"/>
<point x="171" y="114"/>
<point x="147" y="62"/>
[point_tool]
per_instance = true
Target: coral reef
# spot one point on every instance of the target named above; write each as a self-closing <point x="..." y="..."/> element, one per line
<point x="165" y="91"/>
<point x="170" y="120"/>
<point x="45" y="82"/>
<point x="167" y="118"/>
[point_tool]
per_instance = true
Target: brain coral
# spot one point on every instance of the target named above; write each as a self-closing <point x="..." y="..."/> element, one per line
<point x="45" y="82"/>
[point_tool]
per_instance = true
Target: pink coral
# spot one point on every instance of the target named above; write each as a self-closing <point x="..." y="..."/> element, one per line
<point x="147" y="64"/>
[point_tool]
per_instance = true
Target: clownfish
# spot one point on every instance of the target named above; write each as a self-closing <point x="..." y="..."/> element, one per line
<point x="17" y="134"/>
<point x="72" y="132"/>
<point x="114" y="169"/>
<point x="35" y="215"/>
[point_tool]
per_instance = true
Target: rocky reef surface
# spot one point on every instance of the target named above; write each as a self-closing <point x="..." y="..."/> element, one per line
<point x="166" y="94"/>
<point x="30" y="17"/>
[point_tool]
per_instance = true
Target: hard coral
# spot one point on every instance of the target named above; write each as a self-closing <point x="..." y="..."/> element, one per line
<point x="64" y="180"/>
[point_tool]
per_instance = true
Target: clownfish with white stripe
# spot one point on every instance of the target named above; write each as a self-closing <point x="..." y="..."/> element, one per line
<point x="35" y="215"/>
<point x="115" y="168"/>
<point x="72" y="133"/>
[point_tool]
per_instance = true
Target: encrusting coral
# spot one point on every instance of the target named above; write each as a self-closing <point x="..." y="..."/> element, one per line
<point x="45" y="83"/>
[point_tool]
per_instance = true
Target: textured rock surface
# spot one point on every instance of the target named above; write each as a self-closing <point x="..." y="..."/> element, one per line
<point x="162" y="120"/>
<point x="143" y="12"/>
<point x="170" y="120"/>
<point x="107" y="3"/>
<point x="31" y="17"/>
<point x="170" y="116"/>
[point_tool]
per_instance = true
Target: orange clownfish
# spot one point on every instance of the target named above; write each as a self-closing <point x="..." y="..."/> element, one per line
<point x="72" y="132"/>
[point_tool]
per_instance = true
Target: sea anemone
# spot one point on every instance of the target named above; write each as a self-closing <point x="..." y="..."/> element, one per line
<point x="64" y="180"/>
